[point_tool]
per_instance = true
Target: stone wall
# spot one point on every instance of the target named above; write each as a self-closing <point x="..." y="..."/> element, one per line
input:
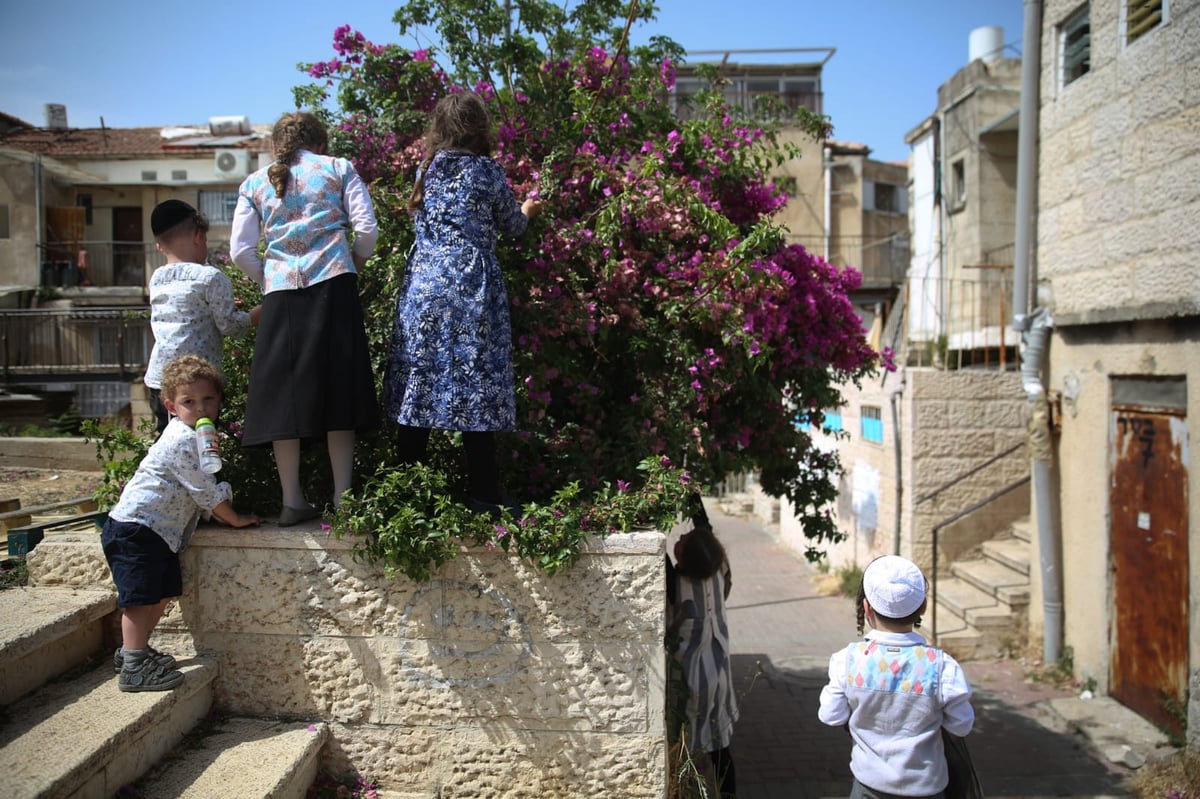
<point x="950" y="423"/>
<point x="491" y="679"/>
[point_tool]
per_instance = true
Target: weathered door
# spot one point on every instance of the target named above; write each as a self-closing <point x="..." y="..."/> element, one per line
<point x="1148" y="504"/>
<point x="129" y="249"/>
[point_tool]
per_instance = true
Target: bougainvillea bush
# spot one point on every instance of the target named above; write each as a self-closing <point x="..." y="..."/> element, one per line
<point x="657" y="311"/>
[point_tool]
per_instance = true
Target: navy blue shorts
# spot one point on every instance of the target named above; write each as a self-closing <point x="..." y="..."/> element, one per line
<point x="144" y="568"/>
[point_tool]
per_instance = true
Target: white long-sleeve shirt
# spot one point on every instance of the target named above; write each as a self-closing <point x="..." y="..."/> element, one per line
<point x="896" y="694"/>
<point x="191" y="308"/>
<point x="169" y="490"/>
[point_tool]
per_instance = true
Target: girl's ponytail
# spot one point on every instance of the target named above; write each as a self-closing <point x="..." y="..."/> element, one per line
<point x="291" y="134"/>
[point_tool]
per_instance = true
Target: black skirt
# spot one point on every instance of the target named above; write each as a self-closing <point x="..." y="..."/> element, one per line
<point x="311" y="371"/>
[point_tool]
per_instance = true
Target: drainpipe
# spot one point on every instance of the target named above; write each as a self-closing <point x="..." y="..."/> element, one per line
<point x="41" y="222"/>
<point x="828" y="164"/>
<point x="1035" y="332"/>
<point x="895" y="396"/>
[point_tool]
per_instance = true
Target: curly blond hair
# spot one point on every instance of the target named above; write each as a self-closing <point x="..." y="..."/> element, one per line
<point x="188" y="369"/>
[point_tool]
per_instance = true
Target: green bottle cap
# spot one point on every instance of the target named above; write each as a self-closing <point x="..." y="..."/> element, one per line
<point x="204" y="420"/>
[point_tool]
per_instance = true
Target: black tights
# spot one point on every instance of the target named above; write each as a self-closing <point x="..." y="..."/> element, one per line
<point x="726" y="777"/>
<point x="483" y="476"/>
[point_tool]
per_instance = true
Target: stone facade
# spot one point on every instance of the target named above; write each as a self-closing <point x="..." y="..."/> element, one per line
<point x="490" y="679"/>
<point x="951" y="423"/>
<point x="1118" y="262"/>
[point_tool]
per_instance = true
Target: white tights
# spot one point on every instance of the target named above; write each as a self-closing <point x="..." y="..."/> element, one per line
<point x="340" y="444"/>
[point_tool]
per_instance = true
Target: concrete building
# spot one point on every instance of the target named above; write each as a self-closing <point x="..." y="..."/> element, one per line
<point x="1117" y="265"/>
<point x="75" y="203"/>
<point x="943" y="435"/>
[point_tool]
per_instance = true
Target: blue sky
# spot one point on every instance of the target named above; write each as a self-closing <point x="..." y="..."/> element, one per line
<point x="167" y="63"/>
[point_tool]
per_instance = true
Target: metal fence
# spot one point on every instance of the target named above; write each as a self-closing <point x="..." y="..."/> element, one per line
<point x="882" y="260"/>
<point x="56" y="345"/>
<point x="961" y="323"/>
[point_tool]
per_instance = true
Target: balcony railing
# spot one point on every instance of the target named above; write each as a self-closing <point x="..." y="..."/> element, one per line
<point x="881" y="260"/>
<point x="757" y="104"/>
<point x="45" y="345"/>
<point x="956" y="323"/>
<point x="104" y="263"/>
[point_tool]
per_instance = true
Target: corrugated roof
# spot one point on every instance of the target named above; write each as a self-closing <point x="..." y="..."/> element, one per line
<point x="117" y="142"/>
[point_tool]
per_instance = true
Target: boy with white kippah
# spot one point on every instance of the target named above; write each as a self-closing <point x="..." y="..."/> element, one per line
<point x="894" y="692"/>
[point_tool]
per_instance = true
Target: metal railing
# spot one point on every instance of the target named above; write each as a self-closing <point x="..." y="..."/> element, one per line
<point x="49" y="345"/>
<point x="961" y="323"/>
<point x="104" y="263"/>
<point x="882" y="260"/>
<point x="756" y="104"/>
<point x="949" y="520"/>
<point x="98" y="263"/>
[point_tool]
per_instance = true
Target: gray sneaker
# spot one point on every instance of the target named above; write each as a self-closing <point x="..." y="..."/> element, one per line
<point x="163" y="659"/>
<point x="148" y="675"/>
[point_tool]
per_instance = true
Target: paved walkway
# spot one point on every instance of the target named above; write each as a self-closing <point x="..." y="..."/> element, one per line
<point x="783" y="633"/>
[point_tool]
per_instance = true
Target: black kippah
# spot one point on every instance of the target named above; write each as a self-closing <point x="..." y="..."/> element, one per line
<point x="168" y="214"/>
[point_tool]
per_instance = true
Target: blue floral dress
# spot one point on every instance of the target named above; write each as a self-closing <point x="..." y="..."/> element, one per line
<point x="450" y="361"/>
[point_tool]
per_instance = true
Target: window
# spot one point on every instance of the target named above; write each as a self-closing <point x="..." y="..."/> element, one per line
<point x="889" y="198"/>
<point x="149" y="174"/>
<point x="833" y="421"/>
<point x="872" y="424"/>
<point x="1139" y="17"/>
<point x="4" y="234"/>
<point x="178" y="174"/>
<point x="958" y="184"/>
<point x="218" y="206"/>
<point x="1075" y="46"/>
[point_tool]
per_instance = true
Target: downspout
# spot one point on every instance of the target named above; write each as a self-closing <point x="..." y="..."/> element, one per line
<point x="828" y="164"/>
<point x="1035" y="331"/>
<point x="40" y="211"/>
<point x="895" y="399"/>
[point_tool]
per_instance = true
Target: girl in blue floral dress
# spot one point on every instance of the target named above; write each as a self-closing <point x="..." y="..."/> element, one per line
<point x="450" y="362"/>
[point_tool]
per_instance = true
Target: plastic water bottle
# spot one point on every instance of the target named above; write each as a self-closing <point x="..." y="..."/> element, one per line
<point x="207" y="445"/>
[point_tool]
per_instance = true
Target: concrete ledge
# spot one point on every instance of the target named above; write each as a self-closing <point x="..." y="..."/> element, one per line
<point x="75" y="454"/>
<point x="419" y="681"/>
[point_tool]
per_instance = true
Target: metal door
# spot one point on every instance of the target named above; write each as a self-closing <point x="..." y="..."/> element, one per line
<point x="1148" y="505"/>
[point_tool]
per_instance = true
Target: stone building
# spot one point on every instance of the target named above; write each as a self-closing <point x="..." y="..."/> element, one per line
<point x="1117" y="266"/>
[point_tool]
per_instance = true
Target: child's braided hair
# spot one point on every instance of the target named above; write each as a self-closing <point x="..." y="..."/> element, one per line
<point x="291" y="134"/>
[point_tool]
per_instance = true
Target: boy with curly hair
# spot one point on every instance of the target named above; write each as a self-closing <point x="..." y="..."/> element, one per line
<point x="156" y="516"/>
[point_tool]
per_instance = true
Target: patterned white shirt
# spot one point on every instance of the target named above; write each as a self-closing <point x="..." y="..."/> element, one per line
<point x="191" y="307"/>
<point x="896" y="694"/>
<point x="169" y="490"/>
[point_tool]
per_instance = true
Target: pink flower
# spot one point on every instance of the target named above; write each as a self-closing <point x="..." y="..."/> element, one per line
<point x="622" y="486"/>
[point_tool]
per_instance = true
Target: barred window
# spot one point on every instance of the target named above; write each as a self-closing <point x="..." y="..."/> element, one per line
<point x="218" y="206"/>
<point x="872" y="423"/>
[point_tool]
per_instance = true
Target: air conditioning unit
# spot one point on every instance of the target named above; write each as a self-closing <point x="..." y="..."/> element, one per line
<point x="231" y="163"/>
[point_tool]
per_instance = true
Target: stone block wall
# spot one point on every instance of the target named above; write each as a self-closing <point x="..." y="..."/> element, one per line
<point x="490" y="679"/>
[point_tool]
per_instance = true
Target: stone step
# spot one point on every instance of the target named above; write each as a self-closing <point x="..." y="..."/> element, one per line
<point x="84" y="738"/>
<point x="961" y="642"/>
<point x="1012" y="552"/>
<point x="1023" y="529"/>
<point x="239" y="757"/>
<point x="47" y="631"/>
<point x="993" y="577"/>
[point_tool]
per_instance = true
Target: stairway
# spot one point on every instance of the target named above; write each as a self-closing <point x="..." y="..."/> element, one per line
<point x="67" y="732"/>
<point x="983" y="605"/>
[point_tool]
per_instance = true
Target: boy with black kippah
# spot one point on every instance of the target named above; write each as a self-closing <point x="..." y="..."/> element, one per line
<point x="191" y="303"/>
